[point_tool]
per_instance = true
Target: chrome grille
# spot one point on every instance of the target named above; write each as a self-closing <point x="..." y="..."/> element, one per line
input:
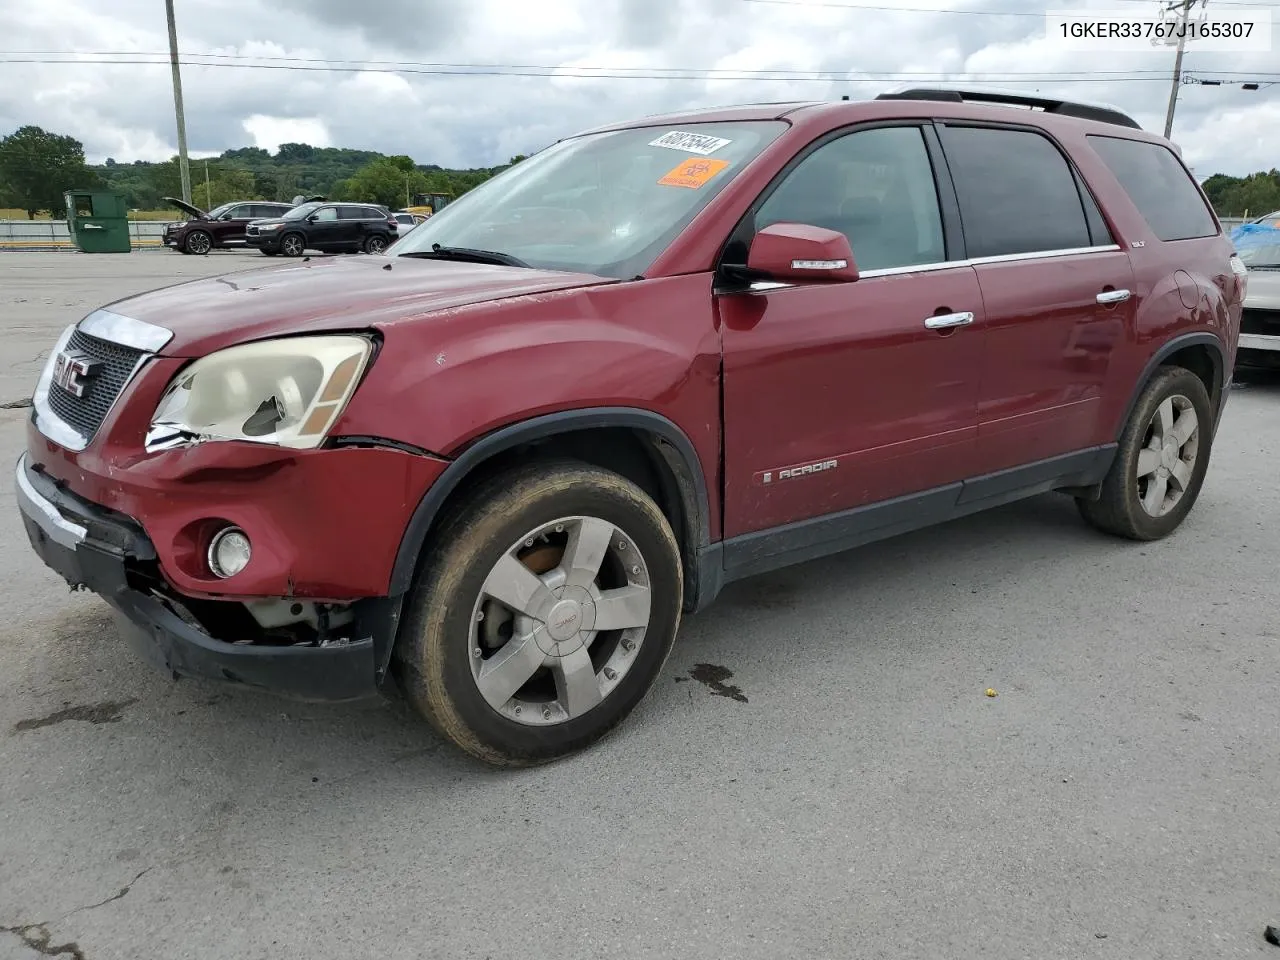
<point x="85" y="414"/>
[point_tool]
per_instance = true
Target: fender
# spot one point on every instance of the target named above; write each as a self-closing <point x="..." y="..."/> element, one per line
<point x="1171" y="347"/>
<point x="680" y="456"/>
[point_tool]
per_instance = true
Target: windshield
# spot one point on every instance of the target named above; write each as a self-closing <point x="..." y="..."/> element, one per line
<point x="297" y="213"/>
<point x="215" y="213"/>
<point x="602" y="203"/>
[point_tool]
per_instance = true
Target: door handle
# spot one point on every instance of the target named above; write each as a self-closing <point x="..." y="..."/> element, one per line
<point x="948" y="320"/>
<point x="1113" y="296"/>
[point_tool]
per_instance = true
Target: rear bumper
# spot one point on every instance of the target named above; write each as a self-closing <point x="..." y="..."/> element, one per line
<point x="1259" y="341"/>
<point x="95" y="549"/>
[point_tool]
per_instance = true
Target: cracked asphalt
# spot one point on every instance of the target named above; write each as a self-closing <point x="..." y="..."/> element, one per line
<point x="819" y="773"/>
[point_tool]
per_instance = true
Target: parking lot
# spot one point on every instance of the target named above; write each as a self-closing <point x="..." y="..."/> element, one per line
<point x="818" y="774"/>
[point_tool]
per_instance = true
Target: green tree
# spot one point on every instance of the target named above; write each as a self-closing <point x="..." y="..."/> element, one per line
<point x="384" y="181"/>
<point x="37" y="166"/>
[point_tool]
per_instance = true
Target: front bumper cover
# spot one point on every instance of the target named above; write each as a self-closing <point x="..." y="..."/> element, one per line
<point x="97" y="549"/>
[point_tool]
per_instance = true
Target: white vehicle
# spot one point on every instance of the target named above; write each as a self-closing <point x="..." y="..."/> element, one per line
<point x="1260" y="322"/>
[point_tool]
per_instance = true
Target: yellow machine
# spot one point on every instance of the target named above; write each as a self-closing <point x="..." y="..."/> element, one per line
<point x="428" y="203"/>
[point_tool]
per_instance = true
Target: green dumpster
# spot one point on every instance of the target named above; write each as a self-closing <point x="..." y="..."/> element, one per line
<point x="98" y="221"/>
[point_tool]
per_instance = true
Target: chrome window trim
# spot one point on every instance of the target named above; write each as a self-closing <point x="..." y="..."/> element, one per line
<point x="764" y="286"/>
<point x="126" y="331"/>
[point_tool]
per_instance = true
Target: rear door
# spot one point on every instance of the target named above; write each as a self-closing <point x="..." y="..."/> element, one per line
<point x="839" y="395"/>
<point x="1058" y="292"/>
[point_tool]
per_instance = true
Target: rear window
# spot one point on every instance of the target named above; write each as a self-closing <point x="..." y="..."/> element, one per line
<point x="1159" y="186"/>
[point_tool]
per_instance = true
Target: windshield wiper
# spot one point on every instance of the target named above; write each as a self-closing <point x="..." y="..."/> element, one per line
<point x="466" y="253"/>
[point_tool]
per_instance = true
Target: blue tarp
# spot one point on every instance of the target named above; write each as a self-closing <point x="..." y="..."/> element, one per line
<point x="1257" y="245"/>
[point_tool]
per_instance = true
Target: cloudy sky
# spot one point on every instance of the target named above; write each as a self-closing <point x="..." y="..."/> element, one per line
<point x="594" y="61"/>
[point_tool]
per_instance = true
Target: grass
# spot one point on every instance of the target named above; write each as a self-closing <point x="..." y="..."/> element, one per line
<point x="8" y="213"/>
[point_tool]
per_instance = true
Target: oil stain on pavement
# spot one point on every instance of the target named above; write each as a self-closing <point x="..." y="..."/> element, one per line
<point x="106" y="712"/>
<point x="714" y="677"/>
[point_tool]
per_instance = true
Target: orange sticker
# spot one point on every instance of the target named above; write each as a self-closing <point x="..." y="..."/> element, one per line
<point x="693" y="173"/>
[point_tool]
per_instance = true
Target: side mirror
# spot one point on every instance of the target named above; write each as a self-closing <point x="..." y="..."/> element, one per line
<point x="312" y="219"/>
<point x="800" y="253"/>
<point x="225" y="216"/>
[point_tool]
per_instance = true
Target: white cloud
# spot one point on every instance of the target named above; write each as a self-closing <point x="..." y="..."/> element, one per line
<point x="269" y="132"/>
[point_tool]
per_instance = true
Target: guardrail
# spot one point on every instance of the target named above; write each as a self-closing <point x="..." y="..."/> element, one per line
<point x="54" y="235"/>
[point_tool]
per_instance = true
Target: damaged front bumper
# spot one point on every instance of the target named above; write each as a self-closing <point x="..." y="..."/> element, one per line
<point x="101" y="550"/>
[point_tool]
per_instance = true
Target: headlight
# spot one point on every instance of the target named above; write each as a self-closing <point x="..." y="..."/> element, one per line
<point x="270" y="226"/>
<point x="284" y="392"/>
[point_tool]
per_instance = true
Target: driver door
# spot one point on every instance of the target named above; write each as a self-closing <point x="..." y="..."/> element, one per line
<point x="845" y="395"/>
<point x="230" y="229"/>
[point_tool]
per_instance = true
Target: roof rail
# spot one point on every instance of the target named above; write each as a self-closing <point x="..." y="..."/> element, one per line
<point x="1102" y="112"/>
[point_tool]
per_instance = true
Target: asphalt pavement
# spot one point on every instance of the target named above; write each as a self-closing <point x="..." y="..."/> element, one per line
<point x="818" y="774"/>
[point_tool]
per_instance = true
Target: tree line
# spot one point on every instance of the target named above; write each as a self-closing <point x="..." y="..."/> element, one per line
<point x="37" y="166"/>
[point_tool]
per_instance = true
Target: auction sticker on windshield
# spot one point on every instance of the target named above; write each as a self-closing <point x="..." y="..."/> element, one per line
<point x="698" y="143"/>
<point x="693" y="173"/>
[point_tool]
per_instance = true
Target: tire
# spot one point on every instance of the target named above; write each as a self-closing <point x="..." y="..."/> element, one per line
<point x="1162" y="445"/>
<point x="375" y="244"/>
<point x="198" y="243"/>
<point x="455" y="635"/>
<point x="293" y="245"/>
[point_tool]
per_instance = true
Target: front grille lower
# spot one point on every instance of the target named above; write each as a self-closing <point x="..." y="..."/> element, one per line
<point x="1265" y="322"/>
<point x="116" y="364"/>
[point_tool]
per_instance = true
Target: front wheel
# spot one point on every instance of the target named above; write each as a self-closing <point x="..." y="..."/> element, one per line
<point x="1161" y="461"/>
<point x="544" y="614"/>
<point x="198" y="242"/>
<point x="292" y="245"/>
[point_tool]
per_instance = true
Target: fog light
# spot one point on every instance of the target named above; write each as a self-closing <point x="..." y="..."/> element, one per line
<point x="229" y="552"/>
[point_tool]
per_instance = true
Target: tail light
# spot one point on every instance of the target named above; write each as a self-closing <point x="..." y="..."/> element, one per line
<point x="1241" y="273"/>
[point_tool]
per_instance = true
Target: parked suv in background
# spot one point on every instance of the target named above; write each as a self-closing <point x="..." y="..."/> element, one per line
<point x="497" y="465"/>
<point x="328" y="227"/>
<point x="222" y="227"/>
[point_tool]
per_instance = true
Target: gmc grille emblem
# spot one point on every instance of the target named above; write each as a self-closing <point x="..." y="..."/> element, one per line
<point x="71" y="371"/>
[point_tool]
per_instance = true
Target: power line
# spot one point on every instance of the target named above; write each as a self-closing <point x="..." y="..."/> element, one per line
<point x="641" y="73"/>
<point x="196" y="59"/>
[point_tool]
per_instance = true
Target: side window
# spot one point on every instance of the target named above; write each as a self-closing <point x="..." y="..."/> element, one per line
<point x="874" y="186"/>
<point x="241" y="212"/>
<point x="369" y="213"/>
<point x="325" y="214"/>
<point x="1159" y="187"/>
<point x="1017" y="192"/>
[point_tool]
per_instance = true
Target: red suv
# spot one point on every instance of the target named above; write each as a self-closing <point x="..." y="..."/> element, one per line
<point x="494" y="466"/>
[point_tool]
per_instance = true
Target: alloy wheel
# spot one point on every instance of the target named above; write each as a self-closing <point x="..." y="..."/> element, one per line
<point x="559" y="621"/>
<point x="291" y="246"/>
<point x="1167" y="460"/>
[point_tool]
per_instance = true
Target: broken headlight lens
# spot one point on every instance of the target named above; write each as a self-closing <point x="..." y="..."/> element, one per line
<point x="285" y="392"/>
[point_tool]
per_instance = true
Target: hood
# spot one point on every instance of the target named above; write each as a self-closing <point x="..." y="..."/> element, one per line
<point x="1263" y="292"/>
<point x="325" y="294"/>
<point x="187" y="208"/>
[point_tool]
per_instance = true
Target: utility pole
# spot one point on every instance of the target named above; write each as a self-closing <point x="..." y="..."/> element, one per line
<point x="184" y="168"/>
<point x="1183" y="7"/>
<point x="208" y="190"/>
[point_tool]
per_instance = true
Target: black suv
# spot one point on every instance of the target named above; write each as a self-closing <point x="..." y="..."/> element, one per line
<point x="223" y="227"/>
<point x="329" y="227"/>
